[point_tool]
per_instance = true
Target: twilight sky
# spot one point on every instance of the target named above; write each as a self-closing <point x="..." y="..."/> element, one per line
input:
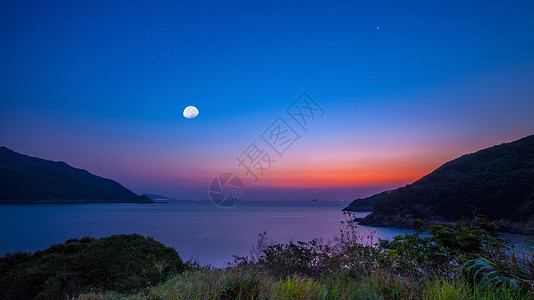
<point x="405" y="86"/>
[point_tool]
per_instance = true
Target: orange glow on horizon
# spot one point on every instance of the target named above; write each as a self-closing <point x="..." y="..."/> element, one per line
<point x="348" y="174"/>
<point x="379" y="168"/>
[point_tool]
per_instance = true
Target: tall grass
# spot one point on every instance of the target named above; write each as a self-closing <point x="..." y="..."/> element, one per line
<point x="297" y="288"/>
<point x="448" y="289"/>
<point x="241" y="284"/>
<point x="464" y="262"/>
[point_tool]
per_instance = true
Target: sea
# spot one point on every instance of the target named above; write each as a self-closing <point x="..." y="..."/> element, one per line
<point x="198" y="230"/>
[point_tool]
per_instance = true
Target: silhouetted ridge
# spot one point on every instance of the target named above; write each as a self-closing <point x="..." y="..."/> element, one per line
<point x="366" y="204"/>
<point x="497" y="182"/>
<point x="26" y="179"/>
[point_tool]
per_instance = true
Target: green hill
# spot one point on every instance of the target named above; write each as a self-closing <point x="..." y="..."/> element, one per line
<point x="121" y="263"/>
<point x="497" y="182"/>
<point x="26" y="179"/>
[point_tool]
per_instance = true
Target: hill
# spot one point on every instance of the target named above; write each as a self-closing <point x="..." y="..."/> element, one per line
<point x="366" y="204"/>
<point x="121" y="263"/>
<point x="497" y="182"/>
<point x="26" y="179"/>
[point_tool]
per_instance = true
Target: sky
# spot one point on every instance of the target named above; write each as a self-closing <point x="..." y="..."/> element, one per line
<point x="396" y="89"/>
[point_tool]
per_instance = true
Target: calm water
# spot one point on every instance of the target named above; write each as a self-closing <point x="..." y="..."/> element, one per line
<point x="195" y="229"/>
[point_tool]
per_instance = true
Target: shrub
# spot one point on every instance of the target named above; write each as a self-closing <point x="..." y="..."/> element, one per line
<point x="122" y="263"/>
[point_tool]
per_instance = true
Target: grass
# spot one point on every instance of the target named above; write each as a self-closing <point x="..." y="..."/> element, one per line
<point x="446" y="289"/>
<point x="298" y="289"/>
<point x="463" y="262"/>
<point x="238" y="283"/>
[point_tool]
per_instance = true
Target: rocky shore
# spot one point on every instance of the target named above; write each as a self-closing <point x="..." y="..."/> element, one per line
<point x="406" y="221"/>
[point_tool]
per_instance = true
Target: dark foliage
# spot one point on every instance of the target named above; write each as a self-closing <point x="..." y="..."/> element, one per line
<point x="122" y="263"/>
<point x="445" y="252"/>
<point x="497" y="182"/>
<point x="303" y="258"/>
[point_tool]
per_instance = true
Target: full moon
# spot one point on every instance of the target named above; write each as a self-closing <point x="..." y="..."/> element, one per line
<point x="190" y="112"/>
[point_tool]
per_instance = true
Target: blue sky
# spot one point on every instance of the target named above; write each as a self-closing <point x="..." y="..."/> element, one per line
<point x="405" y="86"/>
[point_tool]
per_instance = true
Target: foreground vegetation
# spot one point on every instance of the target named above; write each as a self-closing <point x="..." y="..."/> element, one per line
<point x="468" y="261"/>
<point x="122" y="263"/>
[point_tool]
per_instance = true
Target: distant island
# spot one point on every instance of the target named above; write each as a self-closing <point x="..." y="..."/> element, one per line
<point x="156" y="196"/>
<point x="30" y="180"/>
<point x="497" y="182"/>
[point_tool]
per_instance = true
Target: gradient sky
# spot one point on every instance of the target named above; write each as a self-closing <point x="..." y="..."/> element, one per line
<point x="405" y="86"/>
